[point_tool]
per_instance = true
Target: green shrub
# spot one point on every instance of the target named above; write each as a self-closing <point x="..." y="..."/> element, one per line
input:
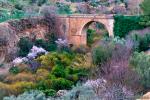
<point x="49" y="92"/>
<point x="141" y="64"/>
<point x="14" y="70"/>
<point x="51" y="45"/>
<point x="145" y="19"/>
<point x="141" y="41"/>
<point x="124" y="24"/>
<point x="90" y="36"/>
<point x="1" y="65"/>
<point x="61" y="84"/>
<point x="101" y="54"/>
<point x="25" y="45"/>
<point x="41" y="43"/>
<point x="58" y="71"/>
<point x="43" y="84"/>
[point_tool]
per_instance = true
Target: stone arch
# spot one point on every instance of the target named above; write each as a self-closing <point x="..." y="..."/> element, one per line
<point x="85" y="26"/>
<point x="83" y="30"/>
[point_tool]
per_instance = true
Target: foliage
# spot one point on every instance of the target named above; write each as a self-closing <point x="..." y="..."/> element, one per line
<point x="41" y="46"/>
<point x="26" y="77"/>
<point x="14" y="70"/>
<point x="63" y="8"/>
<point x="81" y="93"/>
<point x="58" y="71"/>
<point x="16" y="88"/>
<point x="145" y="7"/>
<point x="61" y="84"/>
<point x="30" y="95"/>
<point x="141" y="42"/>
<point x="91" y="34"/>
<point x="54" y="58"/>
<point x="25" y="45"/>
<point x="2" y="65"/>
<point x="145" y="20"/>
<point x="81" y="49"/>
<point x="62" y="73"/>
<point x="49" y="45"/>
<point x="101" y="54"/>
<point x="41" y="74"/>
<point x="50" y="92"/>
<point x="41" y="43"/>
<point x="124" y="24"/>
<point x="141" y="64"/>
<point x="33" y="65"/>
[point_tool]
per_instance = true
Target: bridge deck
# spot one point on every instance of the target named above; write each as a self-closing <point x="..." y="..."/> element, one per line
<point x="87" y="16"/>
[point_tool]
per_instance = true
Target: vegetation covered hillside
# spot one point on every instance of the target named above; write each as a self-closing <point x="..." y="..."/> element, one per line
<point x="38" y="62"/>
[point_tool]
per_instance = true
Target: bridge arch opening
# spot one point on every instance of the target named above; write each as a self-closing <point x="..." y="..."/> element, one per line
<point x="93" y="32"/>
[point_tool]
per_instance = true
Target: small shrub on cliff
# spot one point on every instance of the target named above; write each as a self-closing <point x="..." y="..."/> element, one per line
<point x="14" y="70"/>
<point x="24" y="45"/>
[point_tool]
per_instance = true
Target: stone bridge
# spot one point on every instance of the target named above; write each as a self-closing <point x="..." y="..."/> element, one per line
<point x="75" y="26"/>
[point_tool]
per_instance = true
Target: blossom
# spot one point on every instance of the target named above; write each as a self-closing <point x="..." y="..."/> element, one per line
<point x="61" y="42"/>
<point x="35" y="51"/>
<point x="17" y="61"/>
<point x="95" y="83"/>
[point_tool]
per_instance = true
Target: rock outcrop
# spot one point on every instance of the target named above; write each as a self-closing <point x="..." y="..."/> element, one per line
<point x="12" y="31"/>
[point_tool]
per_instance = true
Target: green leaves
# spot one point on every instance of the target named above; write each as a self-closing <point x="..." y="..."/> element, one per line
<point x="124" y="24"/>
<point x="141" y="64"/>
<point x="14" y="70"/>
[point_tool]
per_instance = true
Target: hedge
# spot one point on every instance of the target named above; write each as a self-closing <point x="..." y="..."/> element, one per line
<point x="124" y="24"/>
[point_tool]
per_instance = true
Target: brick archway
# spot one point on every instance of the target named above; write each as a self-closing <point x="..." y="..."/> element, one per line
<point x="75" y="25"/>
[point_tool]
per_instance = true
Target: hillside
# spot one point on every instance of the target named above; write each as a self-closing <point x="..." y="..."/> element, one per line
<point x="74" y="49"/>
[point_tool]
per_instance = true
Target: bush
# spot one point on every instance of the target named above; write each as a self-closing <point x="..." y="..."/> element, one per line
<point x="16" y="88"/>
<point x="14" y="70"/>
<point x="30" y="95"/>
<point x="61" y="84"/>
<point x="101" y="54"/>
<point x="58" y="71"/>
<point x="90" y="36"/>
<point x="141" y="63"/>
<point x="26" y="77"/>
<point x="41" y="74"/>
<point x="141" y="42"/>
<point x="49" y="92"/>
<point x="53" y="58"/>
<point x="41" y="43"/>
<point x="25" y="45"/>
<point x="124" y="24"/>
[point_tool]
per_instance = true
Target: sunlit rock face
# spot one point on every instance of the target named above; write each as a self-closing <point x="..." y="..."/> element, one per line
<point x="11" y="32"/>
<point x="8" y="41"/>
